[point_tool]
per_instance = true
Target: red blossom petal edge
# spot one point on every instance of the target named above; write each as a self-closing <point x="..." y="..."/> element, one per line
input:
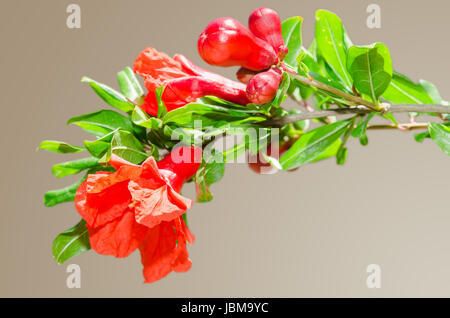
<point x="140" y="207"/>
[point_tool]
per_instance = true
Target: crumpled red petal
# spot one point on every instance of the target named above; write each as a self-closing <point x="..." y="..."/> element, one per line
<point x="102" y="207"/>
<point x="164" y="250"/>
<point x="153" y="206"/>
<point x="153" y="197"/>
<point x="157" y="67"/>
<point x="118" y="238"/>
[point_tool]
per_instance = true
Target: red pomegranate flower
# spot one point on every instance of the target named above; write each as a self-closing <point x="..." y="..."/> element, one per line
<point x="140" y="207"/>
<point x="183" y="80"/>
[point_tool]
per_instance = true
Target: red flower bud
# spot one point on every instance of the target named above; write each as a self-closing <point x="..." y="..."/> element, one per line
<point x="266" y="25"/>
<point x="185" y="90"/>
<point x="226" y="42"/>
<point x="244" y="75"/>
<point x="183" y="80"/>
<point x="225" y="88"/>
<point x="263" y="87"/>
<point x="259" y="165"/>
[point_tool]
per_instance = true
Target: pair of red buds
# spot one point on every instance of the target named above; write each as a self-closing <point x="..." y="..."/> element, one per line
<point x="226" y="42"/>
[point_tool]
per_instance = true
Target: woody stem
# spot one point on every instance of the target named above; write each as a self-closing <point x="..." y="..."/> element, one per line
<point x="312" y="82"/>
<point x="361" y="110"/>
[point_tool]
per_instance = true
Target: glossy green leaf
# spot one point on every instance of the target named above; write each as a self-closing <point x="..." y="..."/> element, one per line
<point x="330" y="44"/>
<point x="71" y="242"/>
<point x="370" y="68"/>
<point x="402" y="90"/>
<point x="109" y="95"/>
<point x="330" y="152"/>
<point x="420" y="137"/>
<point x="292" y="35"/>
<point x="97" y="148"/>
<point x="282" y="89"/>
<point x="73" y="167"/>
<point x="162" y="109"/>
<point x="130" y="85"/>
<point x="361" y="129"/>
<point x="432" y="91"/>
<point x="312" y="144"/>
<point x="341" y="155"/>
<point x="102" y="122"/>
<point x="128" y="147"/>
<point x="210" y="115"/>
<point x="210" y="171"/>
<point x="67" y="194"/>
<point x="441" y="136"/>
<point x="329" y="81"/>
<point x="59" y="147"/>
<point x="141" y="118"/>
<point x="252" y="142"/>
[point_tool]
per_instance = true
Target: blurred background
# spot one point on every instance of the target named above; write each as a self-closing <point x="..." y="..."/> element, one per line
<point x="303" y="234"/>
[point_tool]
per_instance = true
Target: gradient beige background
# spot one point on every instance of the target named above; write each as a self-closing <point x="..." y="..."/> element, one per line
<point x="309" y="233"/>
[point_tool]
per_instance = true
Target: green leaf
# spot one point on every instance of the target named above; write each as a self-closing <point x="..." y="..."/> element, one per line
<point x="102" y="122"/>
<point x="73" y="167"/>
<point x="312" y="144"/>
<point x="140" y="118"/>
<point x="330" y="152"/>
<point x="371" y="69"/>
<point x="341" y="154"/>
<point x="109" y="95"/>
<point x="162" y="109"/>
<point x="59" y="147"/>
<point x="67" y="194"/>
<point x="128" y="147"/>
<point x="292" y="35"/>
<point x="71" y="242"/>
<point x="130" y="85"/>
<point x="99" y="147"/>
<point x="361" y="129"/>
<point x="188" y="136"/>
<point x="282" y="89"/>
<point x="210" y="115"/>
<point x="329" y="81"/>
<point x="210" y="171"/>
<point x="330" y="43"/>
<point x="251" y="141"/>
<point x="432" y="91"/>
<point x="420" y="137"/>
<point x="441" y="136"/>
<point x="402" y="90"/>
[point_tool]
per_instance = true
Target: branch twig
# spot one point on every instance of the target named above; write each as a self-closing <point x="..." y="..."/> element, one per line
<point x="402" y="127"/>
<point x="396" y="108"/>
<point x="312" y="82"/>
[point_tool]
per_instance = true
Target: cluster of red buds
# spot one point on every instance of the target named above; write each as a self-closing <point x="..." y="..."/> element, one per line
<point x="224" y="42"/>
<point x="257" y="49"/>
